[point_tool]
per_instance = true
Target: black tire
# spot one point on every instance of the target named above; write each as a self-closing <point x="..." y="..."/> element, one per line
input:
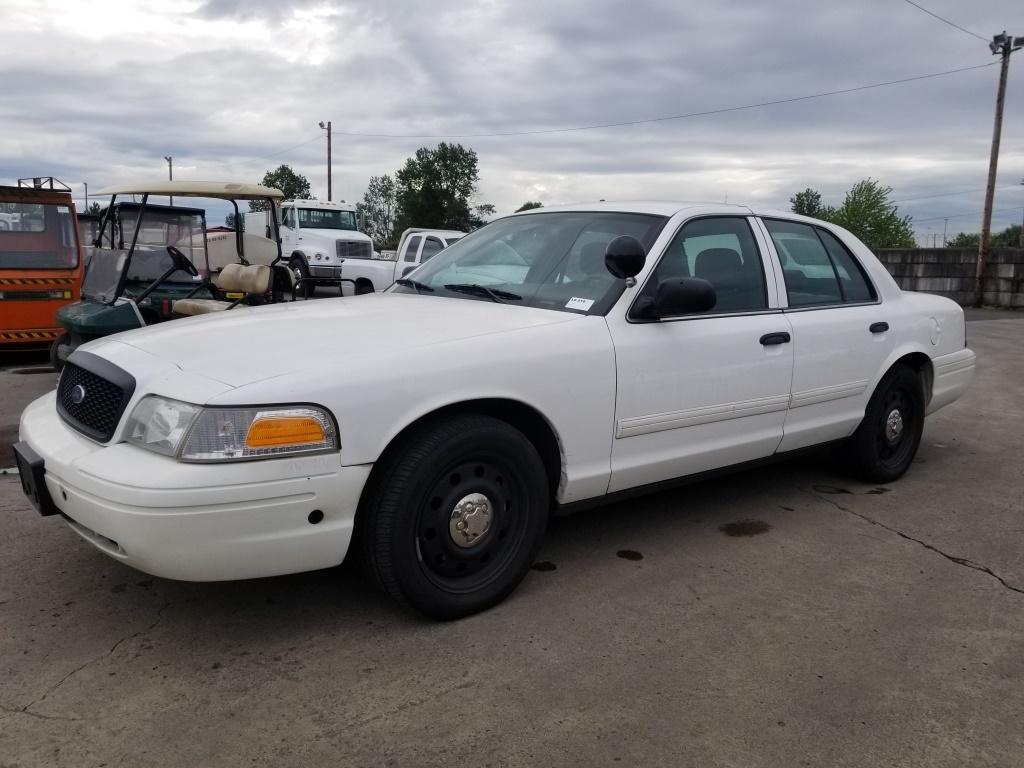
<point x="886" y="442"/>
<point x="410" y="542"/>
<point x="303" y="287"/>
<point x="63" y="340"/>
<point x="363" y="287"/>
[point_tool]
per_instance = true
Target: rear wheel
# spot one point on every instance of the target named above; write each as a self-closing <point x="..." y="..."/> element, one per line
<point x="363" y="287"/>
<point x="456" y="516"/>
<point x="886" y="442"/>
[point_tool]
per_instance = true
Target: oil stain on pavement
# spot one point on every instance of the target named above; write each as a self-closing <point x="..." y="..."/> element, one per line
<point x="745" y="528"/>
<point x="629" y="554"/>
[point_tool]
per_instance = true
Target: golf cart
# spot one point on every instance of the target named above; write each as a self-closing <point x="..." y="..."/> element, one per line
<point x="150" y="264"/>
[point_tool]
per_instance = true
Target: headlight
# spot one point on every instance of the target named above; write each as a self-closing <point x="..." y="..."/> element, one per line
<point x="192" y="433"/>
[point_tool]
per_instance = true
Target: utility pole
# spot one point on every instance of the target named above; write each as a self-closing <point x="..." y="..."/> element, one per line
<point x="86" y="183"/>
<point x="1022" y="224"/>
<point x="1003" y="45"/>
<point x="945" y="223"/>
<point x="327" y="127"/>
<point x="170" y="171"/>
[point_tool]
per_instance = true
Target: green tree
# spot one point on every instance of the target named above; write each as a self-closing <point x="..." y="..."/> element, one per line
<point x="808" y="203"/>
<point x="1008" y="238"/>
<point x="95" y="209"/>
<point x="478" y="216"/>
<point x="435" y="186"/>
<point x="378" y="209"/>
<point x="868" y="213"/>
<point x="964" y="240"/>
<point x="529" y="205"/>
<point x="294" y="185"/>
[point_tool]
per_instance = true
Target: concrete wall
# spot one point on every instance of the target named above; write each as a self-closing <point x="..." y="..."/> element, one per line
<point x="950" y="272"/>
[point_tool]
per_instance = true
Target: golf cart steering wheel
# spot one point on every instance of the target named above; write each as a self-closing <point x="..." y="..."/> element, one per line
<point x="182" y="262"/>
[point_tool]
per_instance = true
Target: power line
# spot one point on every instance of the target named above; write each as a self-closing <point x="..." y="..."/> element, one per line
<point x="963" y="215"/>
<point x="289" y="149"/>
<point x="948" y="194"/>
<point x="662" y="118"/>
<point x="946" y="21"/>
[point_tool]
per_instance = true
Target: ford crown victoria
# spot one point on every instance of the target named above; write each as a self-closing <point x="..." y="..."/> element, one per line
<point x="554" y="358"/>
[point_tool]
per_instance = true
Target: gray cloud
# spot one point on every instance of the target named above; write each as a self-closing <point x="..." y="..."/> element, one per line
<point x="226" y="89"/>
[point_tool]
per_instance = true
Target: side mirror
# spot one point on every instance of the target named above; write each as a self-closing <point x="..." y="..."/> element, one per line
<point x="678" y="296"/>
<point x="624" y="257"/>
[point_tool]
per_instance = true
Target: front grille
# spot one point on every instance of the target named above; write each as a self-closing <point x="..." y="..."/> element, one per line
<point x="331" y="272"/>
<point x="102" y="391"/>
<point x="354" y="249"/>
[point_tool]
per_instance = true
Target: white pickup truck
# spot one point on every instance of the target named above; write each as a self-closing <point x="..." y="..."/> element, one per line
<point x="316" y="237"/>
<point x="415" y="247"/>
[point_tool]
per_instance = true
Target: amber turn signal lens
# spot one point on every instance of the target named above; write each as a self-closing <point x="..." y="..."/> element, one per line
<point x="277" y="431"/>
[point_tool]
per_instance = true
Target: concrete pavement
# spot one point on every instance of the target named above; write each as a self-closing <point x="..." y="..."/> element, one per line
<point x="781" y="617"/>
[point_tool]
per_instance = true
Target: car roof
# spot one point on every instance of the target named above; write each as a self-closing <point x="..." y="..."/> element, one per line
<point x="225" y="190"/>
<point x="671" y="208"/>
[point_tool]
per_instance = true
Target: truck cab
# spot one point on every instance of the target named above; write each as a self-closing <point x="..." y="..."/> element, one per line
<point x="316" y="237"/>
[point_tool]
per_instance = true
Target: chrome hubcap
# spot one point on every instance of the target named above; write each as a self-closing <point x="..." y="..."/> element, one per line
<point x="893" y="425"/>
<point x="470" y="520"/>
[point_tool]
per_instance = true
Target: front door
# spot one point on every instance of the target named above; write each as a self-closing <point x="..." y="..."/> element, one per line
<point x="702" y="391"/>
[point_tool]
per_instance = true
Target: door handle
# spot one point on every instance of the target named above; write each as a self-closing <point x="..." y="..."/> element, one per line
<point x="879" y="327"/>
<point x="770" y="339"/>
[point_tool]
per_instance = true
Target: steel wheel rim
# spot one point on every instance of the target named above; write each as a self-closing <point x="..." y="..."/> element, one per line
<point x="894" y="436"/>
<point x="460" y="566"/>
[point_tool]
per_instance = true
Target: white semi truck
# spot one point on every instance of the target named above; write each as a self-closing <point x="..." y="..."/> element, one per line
<point x="316" y="237"/>
<point x="322" y="244"/>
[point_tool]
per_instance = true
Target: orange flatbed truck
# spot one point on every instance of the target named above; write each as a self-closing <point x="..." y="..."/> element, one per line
<point x="40" y="262"/>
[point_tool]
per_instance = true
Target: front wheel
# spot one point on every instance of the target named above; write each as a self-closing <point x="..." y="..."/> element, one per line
<point x="59" y="351"/>
<point x="456" y="516"/>
<point x="886" y="442"/>
<point x="303" y="286"/>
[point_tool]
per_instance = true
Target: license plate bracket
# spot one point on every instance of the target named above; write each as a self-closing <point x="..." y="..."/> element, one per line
<point x="33" y="479"/>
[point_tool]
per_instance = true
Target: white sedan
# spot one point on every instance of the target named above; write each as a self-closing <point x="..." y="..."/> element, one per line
<point x="555" y="358"/>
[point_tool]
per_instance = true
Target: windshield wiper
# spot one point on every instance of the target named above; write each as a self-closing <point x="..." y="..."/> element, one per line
<point x="410" y="283"/>
<point x="482" y="290"/>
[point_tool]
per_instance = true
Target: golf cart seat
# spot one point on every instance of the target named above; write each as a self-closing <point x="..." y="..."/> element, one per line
<point x="250" y="280"/>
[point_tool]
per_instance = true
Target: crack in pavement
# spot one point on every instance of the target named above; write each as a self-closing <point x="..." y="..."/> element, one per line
<point x="26" y="710"/>
<point x="952" y="558"/>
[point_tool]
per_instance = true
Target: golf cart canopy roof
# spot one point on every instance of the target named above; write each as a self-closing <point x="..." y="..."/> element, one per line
<point x="225" y="190"/>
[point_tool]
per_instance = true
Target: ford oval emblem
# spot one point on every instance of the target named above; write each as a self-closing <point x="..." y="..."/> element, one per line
<point x="77" y="394"/>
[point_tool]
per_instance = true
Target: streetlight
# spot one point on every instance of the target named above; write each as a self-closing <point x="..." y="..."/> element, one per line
<point x="170" y="171"/>
<point x="327" y="127"/>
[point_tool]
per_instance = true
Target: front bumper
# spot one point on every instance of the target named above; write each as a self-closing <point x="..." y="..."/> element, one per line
<point x="325" y="272"/>
<point x="196" y="522"/>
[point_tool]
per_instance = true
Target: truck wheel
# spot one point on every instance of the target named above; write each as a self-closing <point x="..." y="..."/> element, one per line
<point x="885" y="443"/>
<point x="303" y="287"/>
<point x="456" y="517"/>
<point x="64" y="340"/>
<point x="363" y="286"/>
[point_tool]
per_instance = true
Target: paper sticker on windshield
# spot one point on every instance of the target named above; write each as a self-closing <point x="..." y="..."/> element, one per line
<point x="577" y="303"/>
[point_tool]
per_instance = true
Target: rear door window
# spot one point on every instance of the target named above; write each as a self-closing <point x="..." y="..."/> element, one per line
<point x="411" y="247"/>
<point x="816" y="267"/>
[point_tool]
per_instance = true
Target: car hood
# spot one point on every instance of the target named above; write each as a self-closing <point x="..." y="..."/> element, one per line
<point x="248" y="344"/>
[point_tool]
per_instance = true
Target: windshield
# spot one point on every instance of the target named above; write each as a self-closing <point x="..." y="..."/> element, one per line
<point x="161" y="226"/>
<point x="320" y="218"/>
<point x="37" y="236"/>
<point x="547" y="260"/>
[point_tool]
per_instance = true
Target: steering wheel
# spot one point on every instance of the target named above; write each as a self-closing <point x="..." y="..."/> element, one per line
<point x="181" y="261"/>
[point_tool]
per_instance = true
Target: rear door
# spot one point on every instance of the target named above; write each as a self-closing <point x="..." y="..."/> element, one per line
<point x="841" y="334"/>
<point x="707" y="390"/>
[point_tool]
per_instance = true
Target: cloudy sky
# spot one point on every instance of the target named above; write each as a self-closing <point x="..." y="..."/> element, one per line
<point x="100" y="91"/>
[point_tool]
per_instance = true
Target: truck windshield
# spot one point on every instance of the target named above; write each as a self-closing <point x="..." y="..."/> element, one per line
<point x="548" y="260"/>
<point x="320" y="218"/>
<point x="37" y="236"/>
